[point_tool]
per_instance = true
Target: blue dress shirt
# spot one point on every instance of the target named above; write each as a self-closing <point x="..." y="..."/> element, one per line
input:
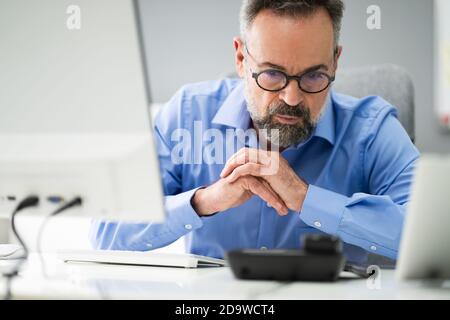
<point x="359" y="164"/>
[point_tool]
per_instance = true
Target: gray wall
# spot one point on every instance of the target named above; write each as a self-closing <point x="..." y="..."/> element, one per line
<point x="190" y="41"/>
<point x="406" y="39"/>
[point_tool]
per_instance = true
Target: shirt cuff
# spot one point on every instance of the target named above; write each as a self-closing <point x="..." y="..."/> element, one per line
<point x="182" y="217"/>
<point x="323" y="209"/>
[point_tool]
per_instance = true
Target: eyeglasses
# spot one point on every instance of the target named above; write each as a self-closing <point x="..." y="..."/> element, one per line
<point x="275" y="80"/>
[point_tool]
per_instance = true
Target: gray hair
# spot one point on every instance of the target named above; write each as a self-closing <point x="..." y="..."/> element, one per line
<point x="292" y="8"/>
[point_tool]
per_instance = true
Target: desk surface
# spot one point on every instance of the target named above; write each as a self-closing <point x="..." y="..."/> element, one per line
<point x="99" y="281"/>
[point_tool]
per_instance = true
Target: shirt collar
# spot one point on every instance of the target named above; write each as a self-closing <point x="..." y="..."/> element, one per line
<point x="234" y="113"/>
<point x="325" y="127"/>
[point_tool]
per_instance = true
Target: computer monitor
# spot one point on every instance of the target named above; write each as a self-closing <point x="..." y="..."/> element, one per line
<point x="75" y="108"/>
<point x="424" y="250"/>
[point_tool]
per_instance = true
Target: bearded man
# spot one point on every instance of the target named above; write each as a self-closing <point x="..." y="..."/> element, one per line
<point x="332" y="164"/>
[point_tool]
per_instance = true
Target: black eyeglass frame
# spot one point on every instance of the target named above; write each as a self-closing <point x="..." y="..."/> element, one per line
<point x="288" y="78"/>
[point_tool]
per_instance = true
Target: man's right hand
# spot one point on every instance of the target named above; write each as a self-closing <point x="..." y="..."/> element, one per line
<point x="223" y="195"/>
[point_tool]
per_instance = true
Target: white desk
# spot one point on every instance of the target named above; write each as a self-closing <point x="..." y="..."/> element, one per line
<point x="94" y="281"/>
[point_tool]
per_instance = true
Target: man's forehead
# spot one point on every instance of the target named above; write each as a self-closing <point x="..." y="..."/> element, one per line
<point x="293" y="42"/>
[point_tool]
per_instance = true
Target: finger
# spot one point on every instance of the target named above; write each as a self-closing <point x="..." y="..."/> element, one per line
<point x="252" y="169"/>
<point x="264" y="193"/>
<point x="242" y="151"/>
<point x="243" y="156"/>
<point x="259" y="189"/>
<point x="285" y="207"/>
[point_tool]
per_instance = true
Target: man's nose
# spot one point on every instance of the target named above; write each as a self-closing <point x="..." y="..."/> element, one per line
<point x="292" y="95"/>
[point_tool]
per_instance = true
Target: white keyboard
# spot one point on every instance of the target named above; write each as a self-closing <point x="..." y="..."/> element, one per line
<point x="140" y="258"/>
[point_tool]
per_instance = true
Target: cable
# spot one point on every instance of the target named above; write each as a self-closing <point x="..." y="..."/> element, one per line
<point x="28" y="202"/>
<point x="72" y="203"/>
<point x="77" y="201"/>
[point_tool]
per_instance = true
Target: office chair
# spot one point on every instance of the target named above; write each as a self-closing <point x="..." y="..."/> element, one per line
<point x="388" y="81"/>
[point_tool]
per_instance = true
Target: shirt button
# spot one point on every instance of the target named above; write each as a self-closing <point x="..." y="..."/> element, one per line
<point x="149" y="245"/>
<point x="373" y="248"/>
<point x="188" y="226"/>
<point x="317" y="224"/>
<point x="268" y="205"/>
<point x="263" y="248"/>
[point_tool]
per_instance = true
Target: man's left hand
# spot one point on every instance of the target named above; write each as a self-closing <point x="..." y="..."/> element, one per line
<point x="272" y="167"/>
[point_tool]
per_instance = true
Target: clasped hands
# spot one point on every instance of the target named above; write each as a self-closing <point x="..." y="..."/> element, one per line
<point x="249" y="172"/>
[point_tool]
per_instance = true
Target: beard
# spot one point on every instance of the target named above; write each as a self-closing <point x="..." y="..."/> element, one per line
<point x="283" y="135"/>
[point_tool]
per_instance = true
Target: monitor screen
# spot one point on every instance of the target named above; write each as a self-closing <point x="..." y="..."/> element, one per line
<point x="75" y="107"/>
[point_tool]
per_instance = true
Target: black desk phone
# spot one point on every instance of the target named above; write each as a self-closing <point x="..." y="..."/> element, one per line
<point x="321" y="259"/>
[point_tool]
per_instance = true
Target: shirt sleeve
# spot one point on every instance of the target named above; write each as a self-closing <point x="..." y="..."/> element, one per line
<point x="181" y="218"/>
<point x="371" y="220"/>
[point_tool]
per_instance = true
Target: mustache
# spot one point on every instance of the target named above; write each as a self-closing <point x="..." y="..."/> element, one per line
<point x="282" y="108"/>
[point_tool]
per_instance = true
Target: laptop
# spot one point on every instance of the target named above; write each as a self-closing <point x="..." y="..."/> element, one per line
<point x="424" y="251"/>
<point x="141" y="258"/>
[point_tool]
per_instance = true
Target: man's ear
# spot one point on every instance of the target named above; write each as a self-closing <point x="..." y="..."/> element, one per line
<point x="239" y="56"/>
<point x="337" y="55"/>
